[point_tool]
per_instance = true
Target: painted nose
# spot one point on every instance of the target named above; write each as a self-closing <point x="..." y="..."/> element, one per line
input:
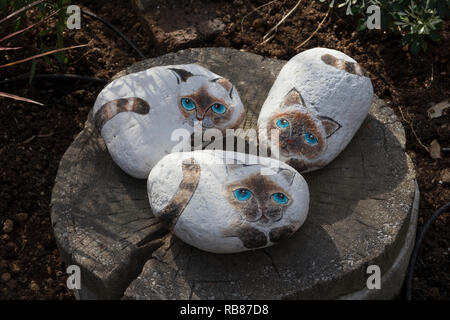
<point x="264" y="219"/>
<point x="263" y="213"/>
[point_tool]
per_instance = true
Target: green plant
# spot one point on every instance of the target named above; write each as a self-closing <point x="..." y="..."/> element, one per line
<point x="15" y="14"/>
<point x="45" y="7"/>
<point x="417" y="21"/>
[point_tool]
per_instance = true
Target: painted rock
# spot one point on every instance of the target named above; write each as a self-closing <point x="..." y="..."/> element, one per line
<point x="217" y="202"/>
<point x="138" y="114"/>
<point x="314" y="108"/>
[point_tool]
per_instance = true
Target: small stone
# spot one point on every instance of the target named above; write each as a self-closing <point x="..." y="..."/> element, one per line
<point x="225" y="211"/>
<point x="21" y="216"/>
<point x="138" y="140"/>
<point x="437" y="110"/>
<point x="315" y="123"/>
<point x="435" y="149"/>
<point x="211" y="27"/>
<point x="34" y="286"/>
<point x="15" y="267"/>
<point x="258" y="23"/>
<point x="445" y="176"/>
<point x="6" y="277"/>
<point x="8" y="226"/>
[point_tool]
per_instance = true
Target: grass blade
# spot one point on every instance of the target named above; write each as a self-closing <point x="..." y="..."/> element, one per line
<point x="27" y="28"/>
<point x="41" y="55"/>
<point x="31" y="5"/>
<point x="12" y="96"/>
<point x="6" y="48"/>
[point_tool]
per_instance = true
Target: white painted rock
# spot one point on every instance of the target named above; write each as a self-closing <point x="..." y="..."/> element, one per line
<point x="317" y="103"/>
<point x="225" y="208"/>
<point x="138" y="113"/>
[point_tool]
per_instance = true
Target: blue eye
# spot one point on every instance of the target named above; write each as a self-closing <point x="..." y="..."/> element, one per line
<point x="282" y="123"/>
<point x="280" y="198"/>
<point x="310" y="138"/>
<point x="242" y="194"/>
<point x="188" y="104"/>
<point x="218" y="108"/>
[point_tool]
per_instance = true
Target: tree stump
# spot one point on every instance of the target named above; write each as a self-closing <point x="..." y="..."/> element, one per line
<point x="363" y="212"/>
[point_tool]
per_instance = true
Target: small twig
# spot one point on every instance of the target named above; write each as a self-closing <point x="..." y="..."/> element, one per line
<point x="27" y="140"/>
<point x="41" y="55"/>
<point x="267" y="40"/>
<point x="29" y="27"/>
<point x="432" y="71"/>
<point x="315" y="31"/>
<point x="413" y="131"/>
<point x="31" y="5"/>
<point x="45" y="135"/>
<point x="254" y="10"/>
<point x="269" y="35"/>
<point x="34" y="137"/>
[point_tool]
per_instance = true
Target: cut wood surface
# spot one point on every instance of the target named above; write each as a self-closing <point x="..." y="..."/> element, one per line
<point x="360" y="211"/>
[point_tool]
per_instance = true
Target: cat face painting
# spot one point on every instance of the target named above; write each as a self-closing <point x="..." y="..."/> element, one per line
<point x="258" y="199"/>
<point x="137" y="114"/>
<point x="316" y="105"/>
<point x="223" y="208"/>
<point x="213" y="107"/>
<point x="301" y="131"/>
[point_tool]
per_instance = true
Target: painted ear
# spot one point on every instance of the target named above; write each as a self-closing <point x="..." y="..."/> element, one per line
<point x="287" y="174"/>
<point x="226" y="84"/>
<point x="293" y="97"/>
<point x="182" y="75"/>
<point x="232" y="167"/>
<point x="237" y="164"/>
<point x="330" y="125"/>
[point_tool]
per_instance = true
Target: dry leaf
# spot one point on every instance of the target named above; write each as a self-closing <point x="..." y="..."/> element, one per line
<point x="436" y="110"/>
<point x="445" y="176"/>
<point x="435" y="149"/>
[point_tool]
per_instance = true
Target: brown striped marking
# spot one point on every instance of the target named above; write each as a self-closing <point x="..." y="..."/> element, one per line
<point x="112" y="108"/>
<point x="173" y="210"/>
<point x="349" y="67"/>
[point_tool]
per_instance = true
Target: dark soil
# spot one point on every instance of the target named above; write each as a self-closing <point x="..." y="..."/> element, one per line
<point x="33" y="138"/>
